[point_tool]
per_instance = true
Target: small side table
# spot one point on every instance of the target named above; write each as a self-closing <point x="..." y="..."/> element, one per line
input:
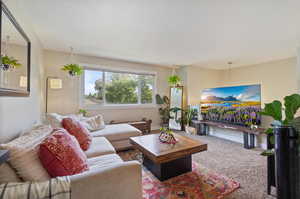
<point x="4" y="155"/>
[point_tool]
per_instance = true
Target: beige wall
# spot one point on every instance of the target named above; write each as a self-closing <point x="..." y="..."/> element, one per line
<point x="66" y="100"/>
<point x="196" y="79"/>
<point x="19" y="113"/>
<point x="277" y="79"/>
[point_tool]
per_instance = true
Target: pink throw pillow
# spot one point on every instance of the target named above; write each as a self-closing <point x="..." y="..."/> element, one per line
<point x="77" y="129"/>
<point x="61" y="155"/>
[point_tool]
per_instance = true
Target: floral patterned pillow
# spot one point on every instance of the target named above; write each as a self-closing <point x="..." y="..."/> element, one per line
<point x="61" y="155"/>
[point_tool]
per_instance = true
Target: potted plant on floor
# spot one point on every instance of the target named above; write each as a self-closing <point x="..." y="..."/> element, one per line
<point x="186" y="118"/>
<point x="164" y="109"/>
<point x="286" y="132"/>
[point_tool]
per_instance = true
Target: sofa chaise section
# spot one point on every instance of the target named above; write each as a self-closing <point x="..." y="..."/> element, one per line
<point x="100" y="146"/>
<point x="118" y="135"/>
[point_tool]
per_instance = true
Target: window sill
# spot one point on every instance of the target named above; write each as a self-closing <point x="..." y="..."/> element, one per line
<point x="118" y="107"/>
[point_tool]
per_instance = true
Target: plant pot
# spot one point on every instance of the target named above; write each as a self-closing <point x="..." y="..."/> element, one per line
<point x="72" y="73"/>
<point x="287" y="162"/>
<point x="190" y="130"/>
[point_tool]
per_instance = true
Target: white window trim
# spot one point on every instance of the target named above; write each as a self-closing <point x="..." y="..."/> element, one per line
<point x="105" y="106"/>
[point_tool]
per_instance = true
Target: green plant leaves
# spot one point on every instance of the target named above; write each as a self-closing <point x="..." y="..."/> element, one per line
<point x="75" y="68"/>
<point x="166" y="100"/>
<point x="296" y="123"/>
<point x="269" y="131"/>
<point x="14" y="63"/>
<point x="268" y="152"/>
<point x="159" y="99"/>
<point x="164" y="110"/>
<point x="174" y="79"/>
<point x="273" y="110"/>
<point x="292" y="104"/>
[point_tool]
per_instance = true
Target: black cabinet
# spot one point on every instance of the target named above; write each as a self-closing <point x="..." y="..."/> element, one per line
<point x="271" y="166"/>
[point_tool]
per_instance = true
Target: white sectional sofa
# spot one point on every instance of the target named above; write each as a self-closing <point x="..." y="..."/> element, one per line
<point x="108" y="177"/>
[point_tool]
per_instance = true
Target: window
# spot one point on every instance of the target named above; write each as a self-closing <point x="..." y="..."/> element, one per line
<point x="117" y="88"/>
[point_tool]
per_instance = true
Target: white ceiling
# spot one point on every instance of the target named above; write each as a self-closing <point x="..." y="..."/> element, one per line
<point x="206" y="33"/>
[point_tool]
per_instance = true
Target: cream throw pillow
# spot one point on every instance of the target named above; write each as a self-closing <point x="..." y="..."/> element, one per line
<point x="24" y="154"/>
<point x="55" y="119"/>
<point x="94" y="123"/>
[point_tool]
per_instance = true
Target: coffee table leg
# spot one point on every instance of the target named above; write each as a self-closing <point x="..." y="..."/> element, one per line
<point x="170" y="169"/>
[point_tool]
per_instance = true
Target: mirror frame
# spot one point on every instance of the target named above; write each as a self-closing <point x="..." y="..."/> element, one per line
<point x="15" y="92"/>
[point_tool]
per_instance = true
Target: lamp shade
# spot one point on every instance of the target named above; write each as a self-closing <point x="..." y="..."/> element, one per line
<point x="23" y="81"/>
<point x="55" y="83"/>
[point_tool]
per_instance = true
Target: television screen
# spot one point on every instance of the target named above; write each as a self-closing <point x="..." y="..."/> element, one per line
<point x="237" y="104"/>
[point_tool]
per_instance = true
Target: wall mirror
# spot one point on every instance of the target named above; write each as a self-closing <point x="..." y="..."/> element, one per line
<point x="176" y="101"/>
<point x="15" y="56"/>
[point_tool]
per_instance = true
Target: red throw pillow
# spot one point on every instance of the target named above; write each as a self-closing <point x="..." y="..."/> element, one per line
<point x="81" y="133"/>
<point x="61" y="155"/>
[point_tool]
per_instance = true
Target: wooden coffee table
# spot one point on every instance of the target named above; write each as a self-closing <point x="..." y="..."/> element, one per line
<point x="166" y="160"/>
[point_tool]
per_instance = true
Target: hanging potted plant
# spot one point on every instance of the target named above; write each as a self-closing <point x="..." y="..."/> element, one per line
<point x="174" y="80"/>
<point x="73" y="69"/>
<point x="285" y="135"/>
<point x="9" y="63"/>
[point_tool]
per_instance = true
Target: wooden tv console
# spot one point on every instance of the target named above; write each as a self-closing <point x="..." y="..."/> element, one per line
<point x="202" y="127"/>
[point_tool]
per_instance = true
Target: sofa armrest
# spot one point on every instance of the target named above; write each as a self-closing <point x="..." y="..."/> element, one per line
<point x="121" y="180"/>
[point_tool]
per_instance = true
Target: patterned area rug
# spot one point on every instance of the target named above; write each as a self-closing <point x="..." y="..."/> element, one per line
<point x="201" y="183"/>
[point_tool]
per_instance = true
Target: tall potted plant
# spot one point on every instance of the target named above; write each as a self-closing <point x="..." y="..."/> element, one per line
<point x="186" y="118"/>
<point x="164" y="109"/>
<point x="286" y="132"/>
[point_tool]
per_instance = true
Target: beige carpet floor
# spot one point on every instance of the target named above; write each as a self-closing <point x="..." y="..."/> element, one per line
<point x="245" y="166"/>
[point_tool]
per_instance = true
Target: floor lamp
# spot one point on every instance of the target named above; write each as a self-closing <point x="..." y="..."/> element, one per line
<point x="52" y="83"/>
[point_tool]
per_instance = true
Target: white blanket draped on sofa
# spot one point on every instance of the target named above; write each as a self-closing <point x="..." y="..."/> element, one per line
<point x="55" y="188"/>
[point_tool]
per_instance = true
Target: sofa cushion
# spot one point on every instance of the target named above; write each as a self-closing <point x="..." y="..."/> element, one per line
<point x="100" y="146"/>
<point x="82" y="134"/>
<point x="7" y="174"/>
<point x="94" y="123"/>
<point x="24" y="154"/>
<point x="104" y="161"/>
<point x="116" y="132"/>
<point x="61" y="154"/>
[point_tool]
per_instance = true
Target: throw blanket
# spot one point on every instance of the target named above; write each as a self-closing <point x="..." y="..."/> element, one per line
<point x="55" y="188"/>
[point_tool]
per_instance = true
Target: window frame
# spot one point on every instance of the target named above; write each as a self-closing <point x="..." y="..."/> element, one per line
<point x="105" y="105"/>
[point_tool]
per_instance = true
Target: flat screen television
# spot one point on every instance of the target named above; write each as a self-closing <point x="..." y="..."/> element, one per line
<point x="236" y="105"/>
